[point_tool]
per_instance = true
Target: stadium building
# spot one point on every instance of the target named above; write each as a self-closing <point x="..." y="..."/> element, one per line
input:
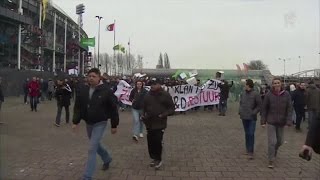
<point x="37" y="20"/>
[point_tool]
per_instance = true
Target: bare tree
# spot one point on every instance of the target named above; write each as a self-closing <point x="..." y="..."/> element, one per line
<point x="166" y="61"/>
<point x="257" y="65"/>
<point x="160" y="62"/>
<point x="140" y="62"/>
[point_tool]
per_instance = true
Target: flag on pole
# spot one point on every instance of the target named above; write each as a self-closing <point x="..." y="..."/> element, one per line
<point x="44" y="9"/>
<point x="119" y="48"/>
<point x="110" y="27"/>
<point x="245" y="68"/>
<point x="239" y="70"/>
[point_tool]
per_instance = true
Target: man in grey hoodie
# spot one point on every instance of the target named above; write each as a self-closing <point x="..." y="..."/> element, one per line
<point x="250" y="103"/>
<point x="277" y="113"/>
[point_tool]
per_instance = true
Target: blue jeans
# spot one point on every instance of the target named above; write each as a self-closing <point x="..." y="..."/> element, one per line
<point x="95" y="133"/>
<point x="137" y="124"/>
<point x="249" y="126"/>
<point x="223" y="106"/>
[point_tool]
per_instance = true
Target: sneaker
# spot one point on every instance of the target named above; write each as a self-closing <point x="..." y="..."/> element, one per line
<point x="58" y="125"/>
<point x="105" y="166"/>
<point x="135" y="138"/>
<point x="251" y="157"/>
<point x="153" y="163"/>
<point x="158" y="165"/>
<point x="270" y="165"/>
<point x="141" y="135"/>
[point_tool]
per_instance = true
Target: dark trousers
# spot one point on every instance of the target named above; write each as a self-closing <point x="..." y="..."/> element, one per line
<point x="249" y="126"/>
<point x="50" y="94"/>
<point x="33" y="102"/>
<point x="154" y="138"/>
<point x="223" y="106"/>
<point x="25" y="97"/>
<point x="58" y="118"/>
<point x="299" y="115"/>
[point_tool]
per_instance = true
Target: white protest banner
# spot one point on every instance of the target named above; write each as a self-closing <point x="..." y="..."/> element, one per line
<point x="184" y="97"/>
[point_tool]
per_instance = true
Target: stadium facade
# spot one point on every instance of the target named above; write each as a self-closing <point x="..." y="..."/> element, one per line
<point x="39" y="50"/>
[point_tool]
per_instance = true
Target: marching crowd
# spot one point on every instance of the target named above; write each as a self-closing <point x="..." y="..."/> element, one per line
<point x="95" y="103"/>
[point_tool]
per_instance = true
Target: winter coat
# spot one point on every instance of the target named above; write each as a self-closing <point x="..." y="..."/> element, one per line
<point x="277" y="109"/>
<point x="137" y="98"/>
<point x="34" y="89"/>
<point x="101" y="106"/>
<point x="155" y="104"/>
<point x="299" y="99"/>
<point x="313" y="98"/>
<point x="63" y="95"/>
<point x="50" y="86"/>
<point x="224" y="90"/>
<point x="250" y="104"/>
<point x="1" y="94"/>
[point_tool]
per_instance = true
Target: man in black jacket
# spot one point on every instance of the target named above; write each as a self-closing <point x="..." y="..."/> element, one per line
<point x="95" y="103"/>
<point x="63" y="96"/>
<point x="1" y="94"/>
<point x="224" y="95"/>
<point x="157" y="106"/>
<point x="299" y="99"/>
<point x="26" y="90"/>
<point x="1" y="98"/>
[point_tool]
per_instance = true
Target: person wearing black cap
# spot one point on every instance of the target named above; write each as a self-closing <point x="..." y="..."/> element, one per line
<point x="250" y="103"/>
<point x="157" y="106"/>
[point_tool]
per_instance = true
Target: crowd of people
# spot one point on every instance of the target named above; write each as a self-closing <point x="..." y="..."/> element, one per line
<point x="95" y="103"/>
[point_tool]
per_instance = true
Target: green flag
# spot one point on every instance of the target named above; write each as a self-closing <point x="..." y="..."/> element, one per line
<point x="123" y="50"/>
<point x="119" y="48"/>
<point x="88" y="42"/>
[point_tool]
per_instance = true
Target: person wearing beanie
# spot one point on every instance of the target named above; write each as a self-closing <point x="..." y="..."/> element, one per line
<point x="250" y="103"/>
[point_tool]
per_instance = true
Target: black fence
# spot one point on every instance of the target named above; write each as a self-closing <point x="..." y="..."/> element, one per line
<point x="12" y="79"/>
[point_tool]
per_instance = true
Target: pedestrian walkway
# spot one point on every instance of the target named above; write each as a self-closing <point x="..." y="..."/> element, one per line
<point x="198" y="146"/>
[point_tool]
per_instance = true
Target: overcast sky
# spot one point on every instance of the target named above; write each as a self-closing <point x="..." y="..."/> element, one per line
<point x="209" y="33"/>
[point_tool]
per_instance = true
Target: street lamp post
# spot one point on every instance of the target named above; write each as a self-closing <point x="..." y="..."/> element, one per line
<point x="284" y="69"/>
<point x="99" y="18"/>
<point x="79" y="11"/>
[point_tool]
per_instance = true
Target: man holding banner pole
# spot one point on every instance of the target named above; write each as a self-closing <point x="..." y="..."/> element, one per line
<point x="157" y="106"/>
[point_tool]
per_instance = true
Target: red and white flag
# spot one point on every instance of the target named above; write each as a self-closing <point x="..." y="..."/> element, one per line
<point x="246" y="67"/>
<point x="110" y="27"/>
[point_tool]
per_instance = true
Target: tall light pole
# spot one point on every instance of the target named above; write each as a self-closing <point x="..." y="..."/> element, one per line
<point x="79" y="11"/>
<point x="99" y="18"/>
<point x="19" y="36"/>
<point x="284" y="69"/>
<point x="299" y="63"/>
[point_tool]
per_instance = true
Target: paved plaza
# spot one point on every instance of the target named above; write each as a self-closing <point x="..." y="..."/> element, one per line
<point x="199" y="145"/>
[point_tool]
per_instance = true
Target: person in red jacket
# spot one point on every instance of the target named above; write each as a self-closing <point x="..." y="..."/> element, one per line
<point x="34" y="91"/>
